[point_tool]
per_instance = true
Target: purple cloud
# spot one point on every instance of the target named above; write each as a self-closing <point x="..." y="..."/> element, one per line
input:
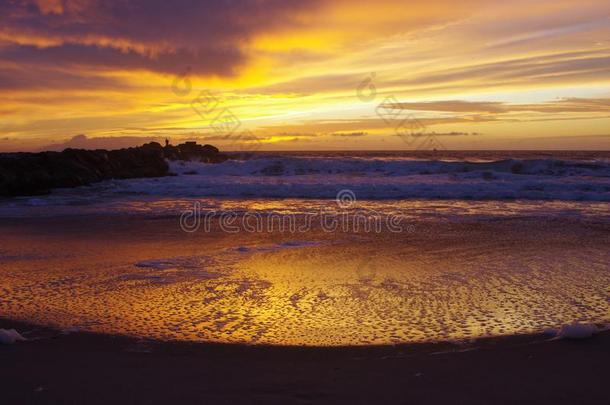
<point x="207" y="36"/>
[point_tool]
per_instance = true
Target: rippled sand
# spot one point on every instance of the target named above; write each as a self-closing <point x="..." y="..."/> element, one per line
<point x="435" y="281"/>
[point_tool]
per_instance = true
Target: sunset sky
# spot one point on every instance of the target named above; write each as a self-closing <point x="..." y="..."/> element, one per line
<point x="305" y="75"/>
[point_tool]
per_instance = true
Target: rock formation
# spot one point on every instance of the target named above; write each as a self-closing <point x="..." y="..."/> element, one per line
<point x="24" y="174"/>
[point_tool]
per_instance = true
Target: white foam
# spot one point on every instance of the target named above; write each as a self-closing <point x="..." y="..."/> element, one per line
<point x="291" y="244"/>
<point x="295" y="177"/>
<point x="302" y="166"/>
<point x="173" y="263"/>
<point x="10" y="336"/>
<point x="321" y="178"/>
<point x="576" y="331"/>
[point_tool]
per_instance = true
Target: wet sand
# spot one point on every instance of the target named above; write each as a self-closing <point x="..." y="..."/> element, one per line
<point x="144" y="277"/>
<point x="53" y="368"/>
<point x="57" y="271"/>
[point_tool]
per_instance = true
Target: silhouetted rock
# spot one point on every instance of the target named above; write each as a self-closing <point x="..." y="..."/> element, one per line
<point x="193" y="151"/>
<point x="38" y="173"/>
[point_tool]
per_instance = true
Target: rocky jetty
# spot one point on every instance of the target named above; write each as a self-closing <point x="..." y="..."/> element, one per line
<point x="193" y="151"/>
<point x="23" y="174"/>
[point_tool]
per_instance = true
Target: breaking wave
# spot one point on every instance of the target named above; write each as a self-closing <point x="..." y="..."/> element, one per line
<point x="307" y="177"/>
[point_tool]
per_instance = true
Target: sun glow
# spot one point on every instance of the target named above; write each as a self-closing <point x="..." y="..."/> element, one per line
<point x="304" y="69"/>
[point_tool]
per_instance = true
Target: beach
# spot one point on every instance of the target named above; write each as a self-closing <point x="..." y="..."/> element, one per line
<point x="155" y="291"/>
<point x="435" y="281"/>
<point x="98" y="369"/>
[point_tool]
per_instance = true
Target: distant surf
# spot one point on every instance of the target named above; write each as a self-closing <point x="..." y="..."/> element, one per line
<point x="419" y="184"/>
<point x="374" y="176"/>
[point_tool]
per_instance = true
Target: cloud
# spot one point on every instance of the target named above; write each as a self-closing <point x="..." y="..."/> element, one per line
<point x="311" y="84"/>
<point x="115" y="142"/>
<point x="369" y="125"/>
<point x="586" y="66"/>
<point x="219" y="61"/>
<point x="288" y="68"/>
<point x="449" y="106"/>
<point x="41" y="77"/>
<point x="350" y="134"/>
<point x="207" y="36"/>
<point x="567" y="105"/>
<point x="453" y="133"/>
<point x="240" y="137"/>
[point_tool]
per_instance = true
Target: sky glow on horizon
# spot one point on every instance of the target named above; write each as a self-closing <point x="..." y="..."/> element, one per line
<point x="295" y="75"/>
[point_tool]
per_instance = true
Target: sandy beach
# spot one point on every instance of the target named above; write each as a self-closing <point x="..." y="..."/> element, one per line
<point x="103" y="289"/>
<point x="52" y="367"/>
<point x="144" y="276"/>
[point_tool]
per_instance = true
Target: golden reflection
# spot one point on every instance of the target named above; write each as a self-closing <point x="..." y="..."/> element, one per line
<point x="317" y="288"/>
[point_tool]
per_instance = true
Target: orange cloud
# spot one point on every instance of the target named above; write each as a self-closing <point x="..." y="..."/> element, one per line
<point x="284" y="67"/>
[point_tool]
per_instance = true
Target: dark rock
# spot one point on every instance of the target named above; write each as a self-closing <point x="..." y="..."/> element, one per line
<point x="38" y="173"/>
<point x="193" y="151"/>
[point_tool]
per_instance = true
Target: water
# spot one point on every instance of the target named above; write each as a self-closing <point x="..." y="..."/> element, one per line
<point x="480" y="250"/>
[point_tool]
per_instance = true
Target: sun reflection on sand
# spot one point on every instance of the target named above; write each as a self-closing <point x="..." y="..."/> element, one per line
<point x="144" y="277"/>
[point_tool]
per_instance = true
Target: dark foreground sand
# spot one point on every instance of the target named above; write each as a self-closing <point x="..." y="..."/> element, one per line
<point x="100" y="369"/>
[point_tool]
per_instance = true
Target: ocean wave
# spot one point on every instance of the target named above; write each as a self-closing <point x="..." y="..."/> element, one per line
<point x="296" y="177"/>
<point x="302" y="166"/>
<point x="369" y="178"/>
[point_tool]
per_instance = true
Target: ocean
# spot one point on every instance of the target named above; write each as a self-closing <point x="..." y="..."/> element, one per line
<point x="319" y="248"/>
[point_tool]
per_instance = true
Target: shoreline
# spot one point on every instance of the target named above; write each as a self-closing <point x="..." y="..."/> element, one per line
<point x="79" y="367"/>
<point x="33" y="332"/>
<point x="233" y="271"/>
